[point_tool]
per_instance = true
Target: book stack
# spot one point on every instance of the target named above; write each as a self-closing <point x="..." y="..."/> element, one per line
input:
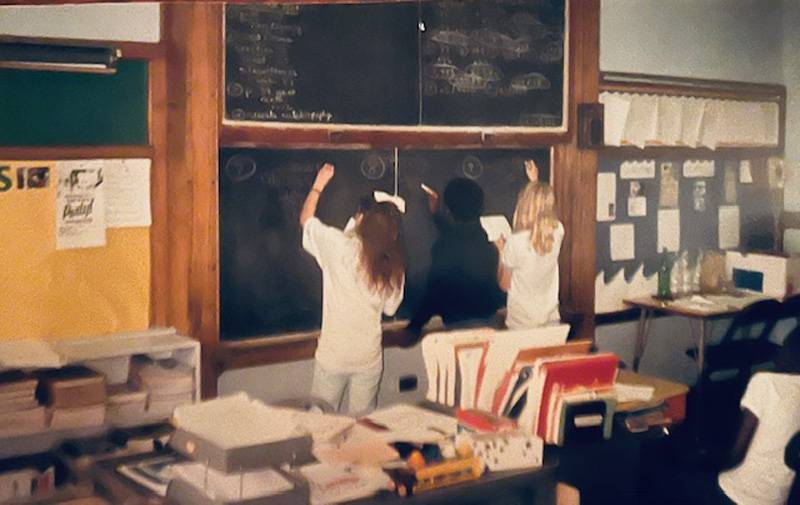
<point x="125" y="405"/>
<point x="168" y="384"/>
<point x="20" y="413"/>
<point x="75" y="397"/>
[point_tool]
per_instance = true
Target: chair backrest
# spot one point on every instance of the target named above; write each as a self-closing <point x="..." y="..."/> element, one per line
<point x="791" y="308"/>
<point x="766" y="312"/>
<point x="791" y="457"/>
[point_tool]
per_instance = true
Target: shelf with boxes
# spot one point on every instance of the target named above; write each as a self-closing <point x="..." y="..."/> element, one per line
<point x="55" y="391"/>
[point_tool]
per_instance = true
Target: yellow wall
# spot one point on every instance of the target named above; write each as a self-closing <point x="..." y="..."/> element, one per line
<point x="59" y="294"/>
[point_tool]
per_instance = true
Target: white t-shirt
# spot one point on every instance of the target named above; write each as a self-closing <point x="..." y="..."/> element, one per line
<point x="763" y="478"/>
<point x="533" y="294"/>
<point x="350" y="340"/>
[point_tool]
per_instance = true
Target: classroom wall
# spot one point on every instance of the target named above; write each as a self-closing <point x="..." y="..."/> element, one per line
<point x="791" y="77"/>
<point x="138" y="22"/>
<point x="710" y="39"/>
<point x="740" y="40"/>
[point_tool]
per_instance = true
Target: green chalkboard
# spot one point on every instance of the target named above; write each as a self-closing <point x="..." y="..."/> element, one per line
<point x="39" y="108"/>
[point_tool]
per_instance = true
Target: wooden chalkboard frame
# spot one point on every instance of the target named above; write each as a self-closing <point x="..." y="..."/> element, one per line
<point x="238" y="133"/>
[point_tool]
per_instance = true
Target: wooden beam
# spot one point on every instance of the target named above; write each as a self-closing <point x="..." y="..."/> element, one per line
<point x="159" y="197"/>
<point x="74" y="152"/>
<point x="575" y="171"/>
<point x="194" y="55"/>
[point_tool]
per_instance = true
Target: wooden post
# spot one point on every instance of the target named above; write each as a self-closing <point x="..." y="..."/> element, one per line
<point x="575" y="171"/>
<point x="194" y="58"/>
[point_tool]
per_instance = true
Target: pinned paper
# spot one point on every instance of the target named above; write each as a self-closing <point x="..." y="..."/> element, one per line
<point x="496" y="226"/>
<point x="398" y="202"/>
<point x="698" y="168"/>
<point x="127" y="192"/>
<point x="621" y="242"/>
<point x="728" y="226"/>
<point x="745" y="172"/>
<point x="606" y="196"/>
<point x="616" y="107"/>
<point x="642" y="122"/>
<point x="775" y="174"/>
<point x="80" y="205"/>
<point x="699" y="196"/>
<point x="691" y="120"/>
<point x="669" y="230"/>
<point x="637" y="169"/>
<point x="668" y="195"/>
<point x="637" y="204"/>
<point x="670" y="110"/>
<point x="729" y="182"/>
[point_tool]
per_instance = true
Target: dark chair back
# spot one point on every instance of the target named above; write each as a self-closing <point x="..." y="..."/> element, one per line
<point x="766" y="312"/>
<point x="791" y="457"/>
<point x="791" y="308"/>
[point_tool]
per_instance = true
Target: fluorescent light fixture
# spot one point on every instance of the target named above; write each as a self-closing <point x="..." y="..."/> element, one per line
<point x="59" y="58"/>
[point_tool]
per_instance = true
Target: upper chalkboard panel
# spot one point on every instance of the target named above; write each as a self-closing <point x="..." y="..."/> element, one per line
<point x="431" y="63"/>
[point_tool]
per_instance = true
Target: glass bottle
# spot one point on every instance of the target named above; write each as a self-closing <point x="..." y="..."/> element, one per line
<point x="664" y="277"/>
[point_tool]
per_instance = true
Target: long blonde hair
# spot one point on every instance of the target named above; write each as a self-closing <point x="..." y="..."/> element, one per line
<point x="536" y="211"/>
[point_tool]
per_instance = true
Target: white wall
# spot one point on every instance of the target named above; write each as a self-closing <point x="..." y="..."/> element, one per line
<point x="791" y="78"/>
<point x="138" y="22"/>
<point x="709" y="39"/>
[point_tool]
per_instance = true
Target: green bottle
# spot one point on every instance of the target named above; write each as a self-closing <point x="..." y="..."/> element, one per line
<point x="664" y="277"/>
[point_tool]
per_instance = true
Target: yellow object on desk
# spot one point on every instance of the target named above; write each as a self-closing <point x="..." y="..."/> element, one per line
<point x="448" y="473"/>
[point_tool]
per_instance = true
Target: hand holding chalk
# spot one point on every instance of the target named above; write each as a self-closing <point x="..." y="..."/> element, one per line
<point x="532" y="170"/>
<point x="433" y="198"/>
<point x="324" y="176"/>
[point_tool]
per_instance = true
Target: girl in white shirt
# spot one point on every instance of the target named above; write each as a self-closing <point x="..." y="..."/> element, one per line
<point x="362" y="277"/>
<point x="528" y="269"/>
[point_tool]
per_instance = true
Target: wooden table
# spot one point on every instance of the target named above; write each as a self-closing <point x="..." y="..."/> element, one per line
<point x="703" y="314"/>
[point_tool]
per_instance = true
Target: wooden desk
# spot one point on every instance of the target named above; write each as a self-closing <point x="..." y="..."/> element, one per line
<point x="703" y="314"/>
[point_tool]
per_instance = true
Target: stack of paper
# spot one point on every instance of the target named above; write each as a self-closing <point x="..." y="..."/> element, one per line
<point x="223" y="487"/>
<point x="168" y="384"/>
<point x="339" y="483"/>
<point x="75" y="396"/>
<point x="19" y="410"/>
<point x="125" y="404"/>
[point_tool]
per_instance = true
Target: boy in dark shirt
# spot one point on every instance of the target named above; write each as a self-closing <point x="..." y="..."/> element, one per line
<point x="462" y="282"/>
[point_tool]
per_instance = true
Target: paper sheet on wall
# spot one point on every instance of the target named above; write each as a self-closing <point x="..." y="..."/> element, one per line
<point x="496" y="226"/>
<point x="616" y="107"/>
<point x="637" y="206"/>
<point x="729" y="182"/>
<point x="606" y="196"/>
<point x="791" y="188"/>
<point x="771" y="114"/>
<point x="669" y="230"/>
<point x="637" y="169"/>
<point x="127" y="187"/>
<point x="728" y="226"/>
<point x="691" y="120"/>
<point x="712" y="124"/>
<point x="745" y="172"/>
<point x="698" y="168"/>
<point x="669" y="120"/>
<point x="668" y="186"/>
<point x="642" y="123"/>
<point x="80" y="205"/>
<point x="622" y="242"/>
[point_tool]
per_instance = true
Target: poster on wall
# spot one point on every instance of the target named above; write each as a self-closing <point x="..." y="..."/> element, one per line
<point x="80" y="205"/>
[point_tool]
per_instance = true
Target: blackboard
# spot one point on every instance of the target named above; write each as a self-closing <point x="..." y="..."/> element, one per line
<point x="62" y="108"/>
<point x="699" y="229"/>
<point x="445" y="62"/>
<point x="269" y="285"/>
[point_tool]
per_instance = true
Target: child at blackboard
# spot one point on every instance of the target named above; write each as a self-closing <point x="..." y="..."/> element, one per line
<point x="462" y="285"/>
<point x="363" y="274"/>
<point x="528" y="267"/>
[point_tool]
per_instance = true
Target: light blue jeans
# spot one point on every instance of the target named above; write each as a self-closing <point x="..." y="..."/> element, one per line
<point x="361" y="387"/>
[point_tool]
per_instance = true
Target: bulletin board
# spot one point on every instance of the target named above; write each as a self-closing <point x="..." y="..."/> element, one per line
<point x="55" y="294"/>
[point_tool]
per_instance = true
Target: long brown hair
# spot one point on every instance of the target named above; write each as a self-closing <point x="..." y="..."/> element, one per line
<point x="536" y="212"/>
<point x="381" y="256"/>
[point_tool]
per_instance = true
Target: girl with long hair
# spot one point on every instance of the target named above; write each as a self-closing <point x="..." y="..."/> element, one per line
<point x="528" y="269"/>
<point x="363" y="275"/>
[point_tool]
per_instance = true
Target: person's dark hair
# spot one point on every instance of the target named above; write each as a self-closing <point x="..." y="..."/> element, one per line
<point x="464" y="199"/>
<point x="788" y="359"/>
<point x="365" y="203"/>
<point x="381" y="254"/>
